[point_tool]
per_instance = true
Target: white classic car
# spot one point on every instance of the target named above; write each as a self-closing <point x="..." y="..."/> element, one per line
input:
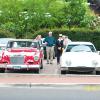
<point x="22" y="54"/>
<point x="80" y="57"/>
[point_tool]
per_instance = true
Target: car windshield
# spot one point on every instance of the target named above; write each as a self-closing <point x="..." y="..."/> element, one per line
<point x="80" y="48"/>
<point x="18" y="44"/>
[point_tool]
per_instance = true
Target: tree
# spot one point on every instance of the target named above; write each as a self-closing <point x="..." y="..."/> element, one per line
<point x="23" y="17"/>
<point x="75" y="11"/>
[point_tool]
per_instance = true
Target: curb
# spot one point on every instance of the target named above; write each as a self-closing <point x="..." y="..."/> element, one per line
<point x="58" y="75"/>
<point x="60" y="85"/>
<point x="35" y="80"/>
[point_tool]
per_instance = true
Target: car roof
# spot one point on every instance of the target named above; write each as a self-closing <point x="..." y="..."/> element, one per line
<point x="80" y="42"/>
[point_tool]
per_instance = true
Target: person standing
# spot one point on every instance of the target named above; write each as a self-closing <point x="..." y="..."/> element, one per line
<point x="40" y="40"/>
<point x="66" y="40"/>
<point x="59" y="46"/>
<point x="50" y="43"/>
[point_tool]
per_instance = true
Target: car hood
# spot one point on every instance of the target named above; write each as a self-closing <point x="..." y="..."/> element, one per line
<point x="80" y="55"/>
<point x="22" y="52"/>
<point x="80" y="58"/>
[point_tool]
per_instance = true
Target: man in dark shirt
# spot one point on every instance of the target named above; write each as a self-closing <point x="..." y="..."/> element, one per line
<point x="50" y="43"/>
<point x="59" y="46"/>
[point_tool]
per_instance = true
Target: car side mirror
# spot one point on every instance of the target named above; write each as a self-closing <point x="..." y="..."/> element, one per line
<point x="41" y="47"/>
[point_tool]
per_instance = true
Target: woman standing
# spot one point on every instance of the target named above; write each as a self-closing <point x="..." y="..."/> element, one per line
<point x="66" y="40"/>
<point x="59" y="46"/>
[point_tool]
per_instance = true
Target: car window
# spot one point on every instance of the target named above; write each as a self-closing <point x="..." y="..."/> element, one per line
<point x="34" y="45"/>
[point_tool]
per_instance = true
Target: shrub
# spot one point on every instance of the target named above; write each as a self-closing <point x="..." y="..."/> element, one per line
<point x="75" y="34"/>
<point x="6" y="34"/>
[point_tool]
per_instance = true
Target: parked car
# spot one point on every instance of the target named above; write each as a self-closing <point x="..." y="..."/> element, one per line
<point x="3" y="44"/>
<point x="23" y="54"/>
<point x="80" y="57"/>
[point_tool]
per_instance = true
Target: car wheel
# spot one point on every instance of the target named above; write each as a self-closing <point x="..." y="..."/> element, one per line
<point x="63" y="71"/>
<point x="94" y="72"/>
<point x="41" y="66"/>
<point x="37" y="71"/>
<point x="2" y="70"/>
<point x="98" y="72"/>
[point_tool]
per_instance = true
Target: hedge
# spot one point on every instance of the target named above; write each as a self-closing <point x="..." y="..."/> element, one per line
<point x="6" y="34"/>
<point x="75" y="34"/>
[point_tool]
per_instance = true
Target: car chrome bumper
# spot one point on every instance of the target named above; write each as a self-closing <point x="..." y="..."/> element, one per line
<point x="2" y="65"/>
<point x="19" y="67"/>
<point x="78" y="69"/>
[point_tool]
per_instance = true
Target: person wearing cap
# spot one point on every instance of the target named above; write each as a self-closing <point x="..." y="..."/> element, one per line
<point x="59" y="46"/>
<point x="50" y="43"/>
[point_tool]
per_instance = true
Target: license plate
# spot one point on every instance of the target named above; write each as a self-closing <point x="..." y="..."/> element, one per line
<point x="16" y="67"/>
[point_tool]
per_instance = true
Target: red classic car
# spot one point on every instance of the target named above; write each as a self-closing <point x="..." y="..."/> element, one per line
<point x="22" y="54"/>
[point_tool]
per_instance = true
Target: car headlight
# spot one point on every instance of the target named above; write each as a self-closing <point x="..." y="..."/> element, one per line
<point x="94" y="63"/>
<point x="36" y="58"/>
<point x="68" y="63"/>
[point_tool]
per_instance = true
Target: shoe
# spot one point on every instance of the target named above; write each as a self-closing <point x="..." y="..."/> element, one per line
<point x="58" y="63"/>
<point x="47" y="62"/>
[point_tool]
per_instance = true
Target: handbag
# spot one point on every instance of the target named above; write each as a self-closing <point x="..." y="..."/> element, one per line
<point x="59" y="48"/>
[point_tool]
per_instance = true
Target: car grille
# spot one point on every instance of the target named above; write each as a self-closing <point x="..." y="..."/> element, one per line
<point x="17" y="60"/>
